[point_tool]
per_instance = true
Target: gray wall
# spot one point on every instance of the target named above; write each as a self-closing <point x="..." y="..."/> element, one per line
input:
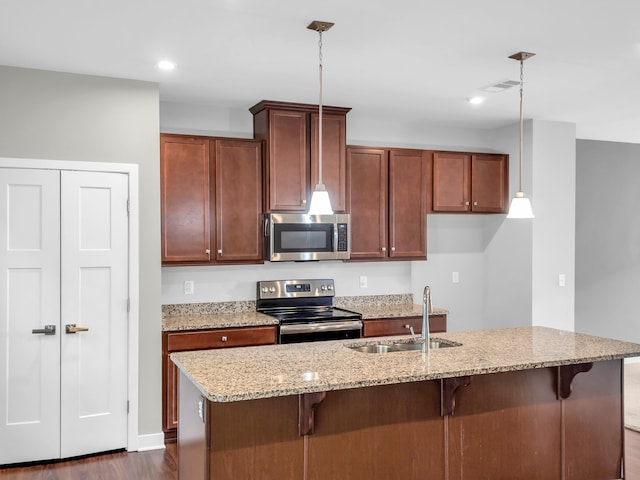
<point x="57" y="116"/>
<point x="608" y="239"/>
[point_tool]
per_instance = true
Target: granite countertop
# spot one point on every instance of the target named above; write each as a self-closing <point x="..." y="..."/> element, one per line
<point x="235" y="374"/>
<point x="200" y="316"/>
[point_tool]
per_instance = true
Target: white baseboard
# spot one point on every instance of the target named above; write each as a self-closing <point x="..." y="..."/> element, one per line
<point x="154" y="441"/>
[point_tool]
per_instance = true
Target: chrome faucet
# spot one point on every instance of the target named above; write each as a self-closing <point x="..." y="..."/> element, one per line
<point x="426" y="309"/>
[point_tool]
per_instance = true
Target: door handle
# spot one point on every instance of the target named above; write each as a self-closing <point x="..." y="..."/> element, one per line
<point x="71" y="328"/>
<point x="47" y="330"/>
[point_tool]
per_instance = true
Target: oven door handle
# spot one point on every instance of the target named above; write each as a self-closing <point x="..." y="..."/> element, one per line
<point x="289" y="329"/>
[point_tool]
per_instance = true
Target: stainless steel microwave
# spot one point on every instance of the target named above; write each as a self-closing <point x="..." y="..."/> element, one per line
<point x="293" y="237"/>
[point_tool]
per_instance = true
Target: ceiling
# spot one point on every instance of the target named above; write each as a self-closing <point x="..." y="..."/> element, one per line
<point x="417" y="61"/>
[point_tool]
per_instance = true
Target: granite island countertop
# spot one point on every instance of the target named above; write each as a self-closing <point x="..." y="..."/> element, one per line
<point x="234" y="374"/>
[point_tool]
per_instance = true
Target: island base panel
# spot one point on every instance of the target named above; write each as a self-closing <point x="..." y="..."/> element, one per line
<point x="390" y="431"/>
<point x="594" y="423"/>
<point x="506" y="426"/>
<point x="255" y="439"/>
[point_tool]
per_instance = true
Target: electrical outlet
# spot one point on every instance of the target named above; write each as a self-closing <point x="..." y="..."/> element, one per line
<point x="188" y="287"/>
<point x="562" y="280"/>
<point x="455" y="277"/>
<point x="363" y="281"/>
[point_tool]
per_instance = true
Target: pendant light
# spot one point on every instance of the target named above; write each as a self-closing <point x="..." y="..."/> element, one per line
<point x="320" y="203"/>
<point x="520" y="205"/>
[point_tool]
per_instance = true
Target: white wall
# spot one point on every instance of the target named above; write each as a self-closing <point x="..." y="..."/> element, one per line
<point x="57" y="116"/>
<point x="554" y="191"/>
<point x="608" y="239"/>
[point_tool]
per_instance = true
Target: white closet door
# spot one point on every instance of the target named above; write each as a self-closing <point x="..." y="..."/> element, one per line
<point x="94" y="266"/>
<point x="29" y="300"/>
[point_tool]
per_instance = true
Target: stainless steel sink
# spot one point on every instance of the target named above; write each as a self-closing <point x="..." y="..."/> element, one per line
<point x="435" y="343"/>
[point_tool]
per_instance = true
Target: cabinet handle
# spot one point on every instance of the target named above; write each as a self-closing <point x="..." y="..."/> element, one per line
<point x="224" y="338"/>
<point x="220" y="252"/>
<point x="384" y="249"/>
<point x="208" y="252"/>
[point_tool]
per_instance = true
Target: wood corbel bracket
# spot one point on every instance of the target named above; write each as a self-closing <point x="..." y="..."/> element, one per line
<point x="448" y="389"/>
<point x="566" y="374"/>
<point x="306" y="408"/>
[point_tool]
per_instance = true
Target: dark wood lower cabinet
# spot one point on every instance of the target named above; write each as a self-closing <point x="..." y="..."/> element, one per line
<point x="382" y="327"/>
<point x="510" y="425"/>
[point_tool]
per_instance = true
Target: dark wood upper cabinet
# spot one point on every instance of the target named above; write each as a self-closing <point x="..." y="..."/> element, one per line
<point x="290" y="133"/>
<point x="237" y="176"/>
<point x="334" y="157"/>
<point x="466" y="182"/>
<point x="367" y="177"/>
<point x="184" y="198"/>
<point x="408" y="191"/>
<point x="211" y="200"/>
<point x="387" y="191"/>
<point x="489" y="183"/>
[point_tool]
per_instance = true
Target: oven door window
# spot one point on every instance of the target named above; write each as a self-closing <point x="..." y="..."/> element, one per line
<point x="302" y="237"/>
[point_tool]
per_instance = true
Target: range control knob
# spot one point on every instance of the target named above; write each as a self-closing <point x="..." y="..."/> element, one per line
<point x="329" y="287"/>
<point x="272" y="289"/>
<point x="265" y="289"/>
<point x="323" y="287"/>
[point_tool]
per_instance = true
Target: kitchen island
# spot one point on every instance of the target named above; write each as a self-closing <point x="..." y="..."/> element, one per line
<point x="522" y="403"/>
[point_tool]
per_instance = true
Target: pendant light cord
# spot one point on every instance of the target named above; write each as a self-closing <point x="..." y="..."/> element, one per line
<point x="521" y="118"/>
<point x="320" y="112"/>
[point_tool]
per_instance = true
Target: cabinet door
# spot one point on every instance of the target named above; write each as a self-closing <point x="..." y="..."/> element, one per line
<point x="408" y="203"/>
<point x="237" y="170"/>
<point x="489" y="183"/>
<point x="451" y="182"/>
<point x="367" y="180"/>
<point x="287" y="161"/>
<point x="184" y="198"/>
<point x="334" y="165"/>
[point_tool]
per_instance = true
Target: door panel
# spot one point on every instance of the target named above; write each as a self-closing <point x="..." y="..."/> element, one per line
<point x="94" y="296"/>
<point x="29" y="299"/>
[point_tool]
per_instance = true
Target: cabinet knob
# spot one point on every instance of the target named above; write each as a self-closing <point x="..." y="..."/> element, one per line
<point x="407" y="326"/>
<point x="220" y="251"/>
<point x="304" y="202"/>
<point x="384" y="249"/>
<point x="393" y="249"/>
<point x="224" y="338"/>
<point x="207" y="251"/>
<point x="475" y="204"/>
<point x="466" y="204"/>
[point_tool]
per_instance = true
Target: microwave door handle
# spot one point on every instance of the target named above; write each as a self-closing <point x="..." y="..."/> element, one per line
<point x="266" y="226"/>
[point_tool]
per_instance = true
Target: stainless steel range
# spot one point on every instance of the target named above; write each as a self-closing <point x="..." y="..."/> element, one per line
<point x="305" y="311"/>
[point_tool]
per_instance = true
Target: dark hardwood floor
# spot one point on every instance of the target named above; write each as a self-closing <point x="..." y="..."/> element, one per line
<point x="151" y="465"/>
<point x="162" y="465"/>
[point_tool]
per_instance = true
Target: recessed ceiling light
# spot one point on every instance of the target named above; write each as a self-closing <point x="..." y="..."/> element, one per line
<point x="476" y="100"/>
<point x="166" y="65"/>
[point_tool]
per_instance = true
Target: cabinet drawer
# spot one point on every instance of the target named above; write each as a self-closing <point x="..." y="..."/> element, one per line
<point x="220" y="338"/>
<point x="381" y="327"/>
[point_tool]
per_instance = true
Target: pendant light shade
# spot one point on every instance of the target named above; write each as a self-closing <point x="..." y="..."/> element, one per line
<point x="320" y="203"/>
<point x="520" y="205"/>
